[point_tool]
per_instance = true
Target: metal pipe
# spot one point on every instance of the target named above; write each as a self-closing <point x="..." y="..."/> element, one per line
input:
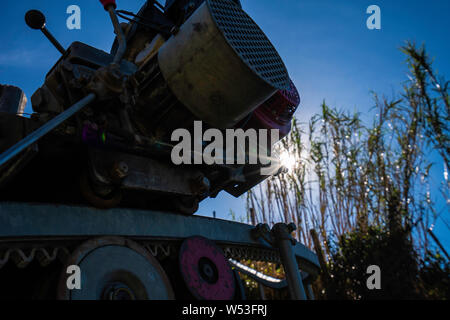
<point x="120" y="35"/>
<point x="310" y="292"/>
<point x="262" y="293"/>
<point x="45" y="129"/>
<point x="53" y="40"/>
<point x="284" y="240"/>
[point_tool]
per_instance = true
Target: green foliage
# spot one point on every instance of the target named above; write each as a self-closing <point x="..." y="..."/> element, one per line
<point x="404" y="276"/>
<point x="435" y="277"/>
<point x="366" y="188"/>
<point x="355" y="251"/>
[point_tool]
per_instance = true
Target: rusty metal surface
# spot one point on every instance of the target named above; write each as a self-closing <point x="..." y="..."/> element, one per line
<point x="28" y="221"/>
<point x="206" y="71"/>
<point x="144" y="173"/>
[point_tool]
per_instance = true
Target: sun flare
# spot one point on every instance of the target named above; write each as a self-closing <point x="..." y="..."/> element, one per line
<point x="288" y="160"/>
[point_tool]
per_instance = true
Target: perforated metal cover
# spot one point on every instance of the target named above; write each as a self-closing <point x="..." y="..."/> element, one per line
<point x="250" y="42"/>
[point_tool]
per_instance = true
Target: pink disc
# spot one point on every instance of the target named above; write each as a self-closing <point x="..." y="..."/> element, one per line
<point x="205" y="270"/>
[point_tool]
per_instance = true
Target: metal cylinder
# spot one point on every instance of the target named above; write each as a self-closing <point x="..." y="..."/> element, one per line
<point x="220" y="64"/>
<point x="284" y="241"/>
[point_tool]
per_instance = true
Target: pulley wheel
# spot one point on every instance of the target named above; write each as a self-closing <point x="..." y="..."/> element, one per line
<point x="115" y="269"/>
<point x="205" y="271"/>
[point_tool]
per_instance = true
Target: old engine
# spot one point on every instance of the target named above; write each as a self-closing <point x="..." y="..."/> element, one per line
<point x="112" y="114"/>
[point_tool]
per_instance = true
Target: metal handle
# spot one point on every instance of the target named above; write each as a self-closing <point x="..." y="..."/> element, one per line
<point x="45" y="129"/>
<point x="110" y="6"/>
<point x="36" y="20"/>
<point x="284" y="240"/>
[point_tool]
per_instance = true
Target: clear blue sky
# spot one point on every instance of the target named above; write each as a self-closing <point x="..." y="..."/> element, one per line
<point x="326" y="46"/>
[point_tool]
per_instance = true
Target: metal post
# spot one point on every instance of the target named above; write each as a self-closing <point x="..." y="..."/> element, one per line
<point x="45" y="129"/>
<point x="310" y="292"/>
<point x="119" y="32"/>
<point x="285" y="242"/>
<point x="262" y="293"/>
<point x="253" y="216"/>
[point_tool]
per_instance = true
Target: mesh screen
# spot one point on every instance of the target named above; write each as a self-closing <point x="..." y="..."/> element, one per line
<point x="250" y="42"/>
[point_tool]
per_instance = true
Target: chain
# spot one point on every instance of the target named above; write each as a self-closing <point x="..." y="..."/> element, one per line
<point x="247" y="253"/>
<point x="159" y="249"/>
<point x="22" y="257"/>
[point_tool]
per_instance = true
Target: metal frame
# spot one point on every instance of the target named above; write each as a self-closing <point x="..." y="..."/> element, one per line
<point x="30" y="222"/>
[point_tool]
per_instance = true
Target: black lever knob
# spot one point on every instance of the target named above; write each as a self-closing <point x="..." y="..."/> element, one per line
<point x="35" y="19"/>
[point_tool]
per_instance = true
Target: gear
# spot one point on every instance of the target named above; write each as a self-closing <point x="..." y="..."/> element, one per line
<point x="205" y="270"/>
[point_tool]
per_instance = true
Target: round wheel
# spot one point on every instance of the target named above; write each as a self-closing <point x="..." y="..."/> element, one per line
<point x="110" y="201"/>
<point x="205" y="271"/>
<point x="115" y="269"/>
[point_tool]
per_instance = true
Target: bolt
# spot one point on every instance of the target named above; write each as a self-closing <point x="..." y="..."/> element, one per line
<point x="292" y="227"/>
<point x="120" y="170"/>
<point x="200" y="184"/>
<point x="174" y="31"/>
<point x="265" y="229"/>
<point x="117" y="292"/>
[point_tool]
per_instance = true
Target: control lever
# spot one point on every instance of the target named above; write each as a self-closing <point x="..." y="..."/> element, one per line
<point x="285" y="243"/>
<point x="110" y="6"/>
<point x="36" y="20"/>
